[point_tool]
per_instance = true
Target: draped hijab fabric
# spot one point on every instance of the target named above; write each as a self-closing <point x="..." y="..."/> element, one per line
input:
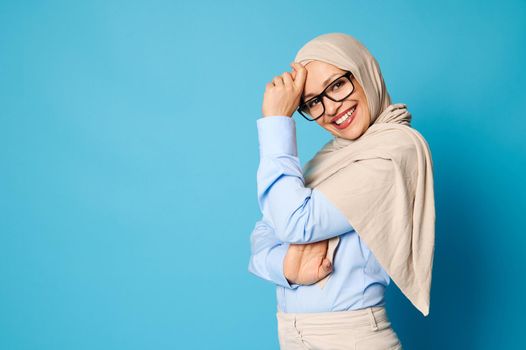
<point x="383" y="180"/>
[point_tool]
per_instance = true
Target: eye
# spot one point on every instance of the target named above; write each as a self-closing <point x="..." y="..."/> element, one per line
<point x="311" y="103"/>
<point x="337" y="84"/>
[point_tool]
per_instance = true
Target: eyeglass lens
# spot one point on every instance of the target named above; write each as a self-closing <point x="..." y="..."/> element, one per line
<point x="338" y="90"/>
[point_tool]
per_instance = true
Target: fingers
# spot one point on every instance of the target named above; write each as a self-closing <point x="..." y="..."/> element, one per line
<point x="293" y="73"/>
<point x="283" y="79"/>
<point x="277" y="80"/>
<point x="294" y="78"/>
<point x="300" y="76"/>
<point x="287" y="79"/>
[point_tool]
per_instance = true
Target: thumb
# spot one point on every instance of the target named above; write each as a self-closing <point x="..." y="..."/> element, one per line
<point x="327" y="266"/>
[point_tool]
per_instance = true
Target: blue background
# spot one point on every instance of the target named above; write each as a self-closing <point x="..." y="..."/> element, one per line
<point x="128" y="149"/>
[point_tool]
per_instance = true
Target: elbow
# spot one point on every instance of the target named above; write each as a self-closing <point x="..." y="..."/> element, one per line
<point x="252" y="266"/>
<point x="250" y="269"/>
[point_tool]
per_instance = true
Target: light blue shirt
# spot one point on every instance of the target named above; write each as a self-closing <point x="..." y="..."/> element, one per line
<point x="293" y="213"/>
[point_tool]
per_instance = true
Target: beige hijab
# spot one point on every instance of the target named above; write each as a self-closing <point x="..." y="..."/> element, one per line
<point x="382" y="181"/>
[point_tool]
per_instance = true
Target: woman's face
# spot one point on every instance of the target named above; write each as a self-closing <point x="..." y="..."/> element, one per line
<point x="357" y="124"/>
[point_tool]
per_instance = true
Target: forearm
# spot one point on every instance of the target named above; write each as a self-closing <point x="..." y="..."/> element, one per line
<point x="267" y="255"/>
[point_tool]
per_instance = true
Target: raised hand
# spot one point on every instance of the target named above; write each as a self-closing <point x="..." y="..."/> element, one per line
<point x="306" y="263"/>
<point x="282" y="95"/>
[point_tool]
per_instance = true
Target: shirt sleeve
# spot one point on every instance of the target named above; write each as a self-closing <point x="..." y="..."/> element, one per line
<point x="297" y="213"/>
<point x="267" y="254"/>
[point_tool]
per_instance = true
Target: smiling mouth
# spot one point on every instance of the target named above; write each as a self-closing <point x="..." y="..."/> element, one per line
<point x="341" y="122"/>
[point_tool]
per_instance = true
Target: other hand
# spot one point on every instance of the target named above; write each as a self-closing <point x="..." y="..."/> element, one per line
<point x="306" y="263"/>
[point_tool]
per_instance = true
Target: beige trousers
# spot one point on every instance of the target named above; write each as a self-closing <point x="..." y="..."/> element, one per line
<point x="365" y="329"/>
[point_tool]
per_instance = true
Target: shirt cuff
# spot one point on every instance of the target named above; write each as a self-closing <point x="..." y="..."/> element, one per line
<point x="275" y="266"/>
<point x="277" y="135"/>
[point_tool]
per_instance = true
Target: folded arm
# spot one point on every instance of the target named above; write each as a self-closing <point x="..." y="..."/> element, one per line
<point x="267" y="255"/>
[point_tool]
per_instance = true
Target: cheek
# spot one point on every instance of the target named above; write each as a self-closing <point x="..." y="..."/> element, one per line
<point x="364" y="113"/>
<point x="365" y="109"/>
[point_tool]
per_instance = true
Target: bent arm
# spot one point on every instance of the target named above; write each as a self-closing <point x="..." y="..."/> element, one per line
<point x="297" y="213"/>
<point x="267" y="255"/>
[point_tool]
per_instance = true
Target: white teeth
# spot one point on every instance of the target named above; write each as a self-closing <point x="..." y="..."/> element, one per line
<point x="346" y="116"/>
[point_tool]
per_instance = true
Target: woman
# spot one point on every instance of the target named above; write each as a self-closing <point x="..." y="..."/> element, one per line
<point x="360" y="213"/>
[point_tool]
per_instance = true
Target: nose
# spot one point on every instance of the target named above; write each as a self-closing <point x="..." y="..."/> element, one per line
<point x="331" y="107"/>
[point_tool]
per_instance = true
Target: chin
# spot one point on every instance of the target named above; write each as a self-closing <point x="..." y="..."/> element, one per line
<point x="351" y="134"/>
<point x="349" y="137"/>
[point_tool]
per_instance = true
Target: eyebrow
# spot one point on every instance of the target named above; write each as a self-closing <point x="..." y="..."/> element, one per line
<point x="305" y="97"/>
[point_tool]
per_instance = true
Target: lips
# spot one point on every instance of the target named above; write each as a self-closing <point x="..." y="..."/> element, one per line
<point x="341" y="114"/>
<point x="349" y="120"/>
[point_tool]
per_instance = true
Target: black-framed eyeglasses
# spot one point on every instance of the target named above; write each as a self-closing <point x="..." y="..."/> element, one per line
<point x="336" y="91"/>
